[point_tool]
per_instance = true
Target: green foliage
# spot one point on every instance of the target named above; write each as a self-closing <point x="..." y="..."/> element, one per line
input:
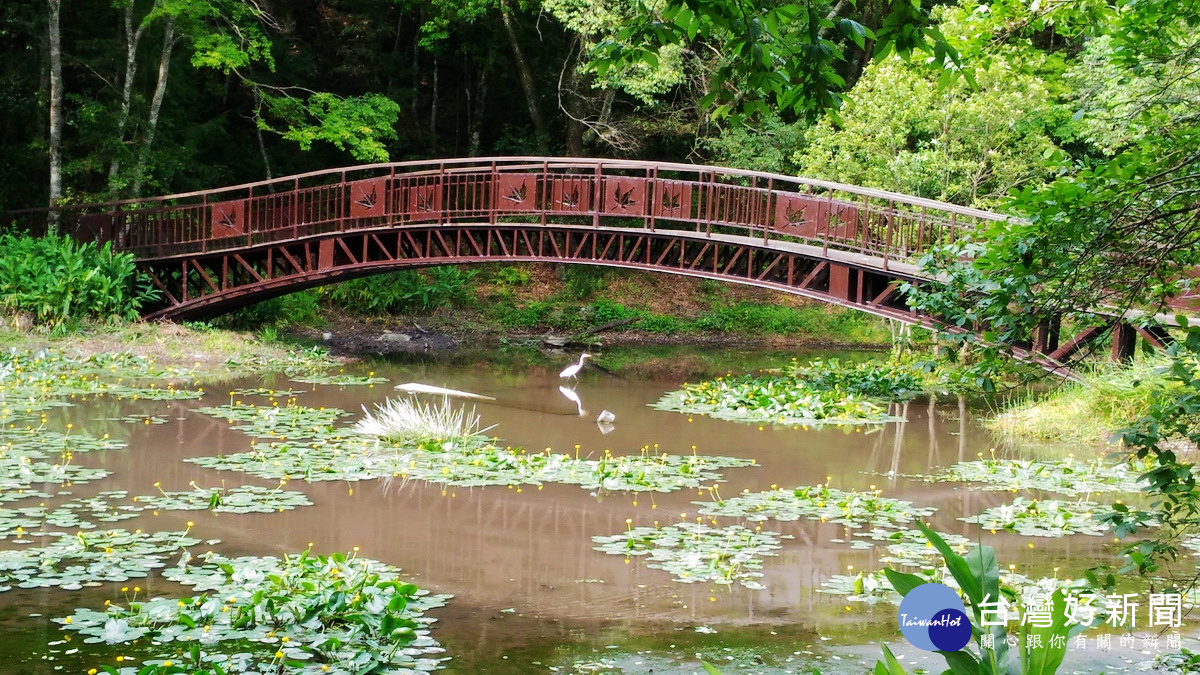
<point x="1034" y="518"/>
<point x="781" y="400"/>
<point x="978" y="576"/>
<point x="304" y="613"/>
<point x="696" y="552"/>
<point x="782" y="56"/>
<point x="757" y="319"/>
<point x="406" y="290"/>
<point x="1154" y="439"/>
<point x="854" y="509"/>
<point x="1088" y="410"/>
<point x="819" y="391"/>
<point x="584" y="281"/>
<point x="512" y="275"/>
<point x="1065" y="476"/>
<point x="769" y="145"/>
<point x="892" y="380"/>
<point x="966" y="143"/>
<point x="56" y="280"/>
<point x="1116" y="230"/>
<point x="360" y="125"/>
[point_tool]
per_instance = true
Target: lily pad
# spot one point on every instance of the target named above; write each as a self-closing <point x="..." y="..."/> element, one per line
<point x="341" y="380"/>
<point x="852" y="508"/>
<point x="1048" y="518"/>
<point x="89" y="559"/>
<point x="299" y="614"/>
<point x="696" y="552"/>
<point x="1066" y="476"/>
<point x="244" y="499"/>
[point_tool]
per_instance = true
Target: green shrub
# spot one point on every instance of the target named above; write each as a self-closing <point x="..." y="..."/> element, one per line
<point x="513" y="276"/>
<point x="815" y="320"/>
<point x="605" y="311"/>
<point x="406" y="290"/>
<point x="662" y="325"/>
<point x="530" y="316"/>
<point x="584" y="281"/>
<point x="56" y="279"/>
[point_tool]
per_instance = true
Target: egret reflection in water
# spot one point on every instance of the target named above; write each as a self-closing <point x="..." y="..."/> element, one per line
<point x="574" y="398"/>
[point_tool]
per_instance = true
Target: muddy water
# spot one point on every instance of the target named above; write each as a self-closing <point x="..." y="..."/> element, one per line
<point x="530" y="593"/>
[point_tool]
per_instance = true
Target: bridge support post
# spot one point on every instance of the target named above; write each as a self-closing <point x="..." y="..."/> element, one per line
<point x="1047" y="334"/>
<point x="841" y="282"/>
<point x="1124" y="339"/>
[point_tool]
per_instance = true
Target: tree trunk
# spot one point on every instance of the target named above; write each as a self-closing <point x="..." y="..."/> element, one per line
<point x="575" y="104"/>
<point x="160" y="91"/>
<point x="262" y="146"/>
<point x="477" y="105"/>
<point x="56" y="125"/>
<point x="433" y="106"/>
<point x="525" y="75"/>
<point x="132" y="39"/>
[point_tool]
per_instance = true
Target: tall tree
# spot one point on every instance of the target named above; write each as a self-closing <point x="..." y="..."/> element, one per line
<point x="793" y="57"/>
<point x="56" y="109"/>
<point x="1119" y="230"/>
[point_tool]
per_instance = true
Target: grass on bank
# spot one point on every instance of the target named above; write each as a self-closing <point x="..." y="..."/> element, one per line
<point x="1088" y="411"/>
<point x="567" y="299"/>
<point x="205" y="351"/>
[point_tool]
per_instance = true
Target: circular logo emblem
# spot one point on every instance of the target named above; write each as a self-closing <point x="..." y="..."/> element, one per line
<point x="933" y="618"/>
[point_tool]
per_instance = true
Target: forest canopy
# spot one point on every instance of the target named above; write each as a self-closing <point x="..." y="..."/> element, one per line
<point x="1076" y="116"/>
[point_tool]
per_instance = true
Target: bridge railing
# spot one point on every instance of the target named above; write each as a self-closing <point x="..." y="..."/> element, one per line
<point x="529" y="191"/>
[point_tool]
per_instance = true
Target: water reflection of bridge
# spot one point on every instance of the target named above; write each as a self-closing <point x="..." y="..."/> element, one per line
<point x="211" y="251"/>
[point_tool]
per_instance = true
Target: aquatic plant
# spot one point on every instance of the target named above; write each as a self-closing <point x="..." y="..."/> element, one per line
<point x="88" y="559"/>
<point x="341" y="380"/>
<point x="1050" y="518"/>
<point x="289" y="421"/>
<point x="1065" y="476"/>
<point x="977" y="575"/>
<point x="891" y="380"/>
<point x="852" y="508"/>
<point x="244" y="499"/>
<point x="303" y="613"/>
<point x="438" y="444"/>
<point x="72" y="515"/>
<point x="314" y="360"/>
<point x="1183" y="662"/>
<point x="469" y="462"/>
<point x="779" y="400"/>
<point x="408" y="419"/>
<point x="267" y="392"/>
<point x="696" y="552"/>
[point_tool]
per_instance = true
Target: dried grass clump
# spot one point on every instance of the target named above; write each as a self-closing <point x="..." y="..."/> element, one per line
<point x="408" y="419"/>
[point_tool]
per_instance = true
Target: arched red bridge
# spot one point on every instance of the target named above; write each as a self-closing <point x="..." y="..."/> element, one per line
<point x="209" y="252"/>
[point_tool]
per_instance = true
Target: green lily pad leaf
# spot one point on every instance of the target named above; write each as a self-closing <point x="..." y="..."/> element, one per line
<point x="696" y="552"/>
<point x="339" y="614"/>
<point x="244" y="499"/>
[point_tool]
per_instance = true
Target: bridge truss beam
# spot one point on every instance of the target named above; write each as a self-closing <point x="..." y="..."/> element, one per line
<point x="206" y="284"/>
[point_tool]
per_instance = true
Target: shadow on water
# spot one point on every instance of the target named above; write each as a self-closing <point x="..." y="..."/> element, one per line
<point x="530" y="591"/>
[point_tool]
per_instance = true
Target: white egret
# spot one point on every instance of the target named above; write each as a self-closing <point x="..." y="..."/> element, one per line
<point x="573" y="371"/>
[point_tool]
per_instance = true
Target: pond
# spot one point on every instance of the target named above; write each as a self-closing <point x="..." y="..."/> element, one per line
<point x="531" y="592"/>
